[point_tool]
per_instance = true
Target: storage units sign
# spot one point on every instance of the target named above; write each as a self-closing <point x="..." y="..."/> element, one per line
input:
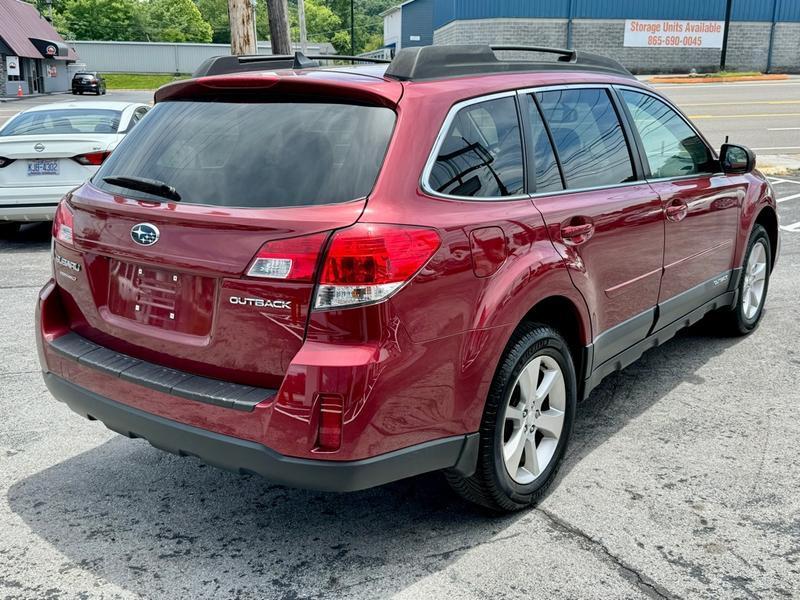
<point x="641" y="33"/>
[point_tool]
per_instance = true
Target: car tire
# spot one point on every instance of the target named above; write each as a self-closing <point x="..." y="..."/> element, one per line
<point x="9" y="230"/>
<point x="74" y="93"/>
<point x="538" y="355"/>
<point x="751" y="294"/>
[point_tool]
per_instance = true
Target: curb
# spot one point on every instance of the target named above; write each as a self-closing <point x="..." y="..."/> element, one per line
<point x="31" y="96"/>
<point x="701" y="79"/>
<point x="778" y="164"/>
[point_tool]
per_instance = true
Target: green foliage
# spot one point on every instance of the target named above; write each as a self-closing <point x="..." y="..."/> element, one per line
<point x="207" y="21"/>
<point x="321" y="22"/>
<point x="176" y="21"/>
<point x="215" y="13"/>
<point x="122" y="20"/>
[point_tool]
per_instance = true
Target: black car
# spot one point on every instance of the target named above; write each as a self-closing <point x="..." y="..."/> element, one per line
<point x="88" y="81"/>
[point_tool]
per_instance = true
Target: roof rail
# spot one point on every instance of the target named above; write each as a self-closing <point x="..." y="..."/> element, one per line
<point x="220" y="65"/>
<point x="436" y="62"/>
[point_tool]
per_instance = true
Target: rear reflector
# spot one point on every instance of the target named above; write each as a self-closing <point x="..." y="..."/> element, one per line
<point x="292" y="259"/>
<point x="368" y="262"/>
<point x="330" y="422"/>
<point x="92" y="159"/>
<point x="63" y="223"/>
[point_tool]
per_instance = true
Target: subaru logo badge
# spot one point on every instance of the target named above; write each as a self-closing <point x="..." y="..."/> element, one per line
<point x="145" y="234"/>
<point x="39" y="147"/>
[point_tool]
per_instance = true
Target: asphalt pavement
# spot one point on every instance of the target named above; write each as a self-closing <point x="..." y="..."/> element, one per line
<point x="763" y="115"/>
<point x="682" y="481"/>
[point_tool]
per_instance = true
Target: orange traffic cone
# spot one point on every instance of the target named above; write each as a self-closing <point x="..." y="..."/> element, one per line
<point x="19" y="90"/>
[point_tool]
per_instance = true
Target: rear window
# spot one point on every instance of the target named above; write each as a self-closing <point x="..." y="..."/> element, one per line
<point x="61" y="121"/>
<point x="257" y="155"/>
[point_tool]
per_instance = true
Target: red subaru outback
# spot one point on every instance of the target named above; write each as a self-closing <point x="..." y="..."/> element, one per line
<point x="341" y="277"/>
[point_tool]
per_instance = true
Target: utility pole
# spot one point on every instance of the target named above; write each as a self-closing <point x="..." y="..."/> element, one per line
<point x="724" y="54"/>
<point x="279" y="27"/>
<point x="254" y="4"/>
<point x="352" y="30"/>
<point x="301" y="18"/>
<point x="242" y="27"/>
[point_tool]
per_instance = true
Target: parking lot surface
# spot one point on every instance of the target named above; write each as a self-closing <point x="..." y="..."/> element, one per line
<point x="681" y="481"/>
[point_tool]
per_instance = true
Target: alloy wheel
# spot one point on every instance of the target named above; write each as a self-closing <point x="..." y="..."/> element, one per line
<point x="755" y="279"/>
<point x="534" y="419"/>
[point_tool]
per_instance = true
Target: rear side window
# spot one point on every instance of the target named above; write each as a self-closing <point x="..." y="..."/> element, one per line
<point x="61" y="121"/>
<point x="673" y="149"/>
<point x="481" y="154"/>
<point x="256" y="155"/>
<point x="588" y="137"/>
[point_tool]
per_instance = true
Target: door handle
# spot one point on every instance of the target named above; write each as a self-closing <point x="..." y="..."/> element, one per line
<point x="676" y="210"/>
<point x="577" y="234"/>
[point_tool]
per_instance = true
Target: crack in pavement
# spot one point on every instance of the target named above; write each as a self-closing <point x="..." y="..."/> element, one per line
<point x="19" y="287"/>
<point x="645" y="584"/>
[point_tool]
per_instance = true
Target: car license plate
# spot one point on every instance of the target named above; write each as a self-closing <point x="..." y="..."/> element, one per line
<point x="43" y="166"/>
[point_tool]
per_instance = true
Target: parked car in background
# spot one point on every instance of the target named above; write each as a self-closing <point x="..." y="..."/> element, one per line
<point x="88" y="81"/>
<point x="341" y="277"/>
<point x="48" y="150"/>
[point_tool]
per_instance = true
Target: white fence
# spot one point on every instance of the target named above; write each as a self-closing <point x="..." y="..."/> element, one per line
<point x="159" y="57"/>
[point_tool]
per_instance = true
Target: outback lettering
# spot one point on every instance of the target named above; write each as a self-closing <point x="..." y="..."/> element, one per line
<point x="287" y="304"/>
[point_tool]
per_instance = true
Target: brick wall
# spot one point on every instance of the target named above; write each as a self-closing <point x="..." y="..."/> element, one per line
<point x="748" y="43"/>
<point x="786" y="48"/>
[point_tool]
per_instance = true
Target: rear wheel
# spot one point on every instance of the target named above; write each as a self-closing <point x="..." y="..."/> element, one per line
<point x="753" y="286"/>
<point x="526" y="423"/>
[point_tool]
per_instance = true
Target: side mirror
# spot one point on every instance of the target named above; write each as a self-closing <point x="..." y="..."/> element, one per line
<point x="737" y="159"/>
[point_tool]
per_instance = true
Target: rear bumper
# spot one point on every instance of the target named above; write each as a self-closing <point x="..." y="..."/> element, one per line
<point x="31" y="203"/>
<point x="245" y="456"/>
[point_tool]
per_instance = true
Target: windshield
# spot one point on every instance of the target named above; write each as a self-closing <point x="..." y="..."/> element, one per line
<point x="255" y="154"/>
<point x="61" y="121"/>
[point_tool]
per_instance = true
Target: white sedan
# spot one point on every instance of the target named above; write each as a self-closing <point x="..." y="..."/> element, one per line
<point x="48" y="150"/>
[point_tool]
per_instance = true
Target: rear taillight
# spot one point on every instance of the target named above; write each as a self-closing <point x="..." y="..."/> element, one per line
<point x="4" y="162"/>
<point x="63" y="223"/>
<point x="292" y="259"/>
<point x="367" y="262"/>
<point x="92" y="159"/>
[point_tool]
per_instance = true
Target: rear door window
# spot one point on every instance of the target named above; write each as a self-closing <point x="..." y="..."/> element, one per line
<point x="257" y="155"/>
<point x="588" y="137"/>
<point x="481" y="153"/>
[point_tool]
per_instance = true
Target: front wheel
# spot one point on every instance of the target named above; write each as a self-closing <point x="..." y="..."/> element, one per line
<point x="526" y="423"/>
<point x="753" y="285"/>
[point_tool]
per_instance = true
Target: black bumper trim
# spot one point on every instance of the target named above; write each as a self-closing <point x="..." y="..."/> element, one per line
<point x="243" y="456"/>
<point x="162" y="379"/>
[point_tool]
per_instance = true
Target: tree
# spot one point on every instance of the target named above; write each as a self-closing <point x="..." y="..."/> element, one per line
<point x="321" y="22"/>
<point x="215" y="13"/>
<point x="122" y="20"/>
<point x="176" y="21"/>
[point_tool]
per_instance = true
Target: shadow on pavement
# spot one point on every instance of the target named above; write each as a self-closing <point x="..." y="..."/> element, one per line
<point x="161" y="526"/>
<point x="33" y="236"/>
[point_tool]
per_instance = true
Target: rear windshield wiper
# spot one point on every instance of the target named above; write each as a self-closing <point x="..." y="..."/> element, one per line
<point x="142" y="184"/>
